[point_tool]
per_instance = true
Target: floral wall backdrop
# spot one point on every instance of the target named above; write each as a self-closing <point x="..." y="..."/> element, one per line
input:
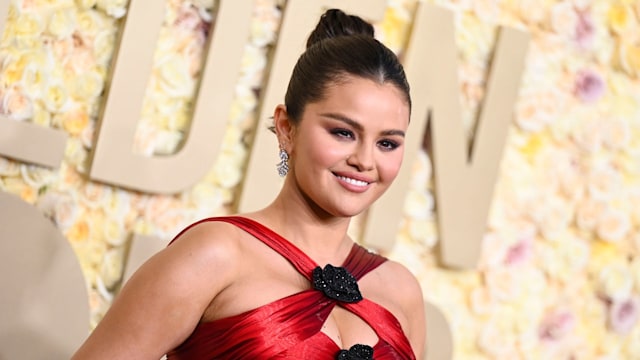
<point x="559" y="276"/>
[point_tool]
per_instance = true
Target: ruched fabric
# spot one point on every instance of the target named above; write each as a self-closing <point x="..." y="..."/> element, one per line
<point x="290" y="328"/>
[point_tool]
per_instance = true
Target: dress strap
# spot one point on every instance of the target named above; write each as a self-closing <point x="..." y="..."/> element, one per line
<point x="303" y="263"/>
<point x="359" y="261"/>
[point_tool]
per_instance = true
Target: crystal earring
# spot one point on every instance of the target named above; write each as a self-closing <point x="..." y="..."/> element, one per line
<point x="283" y="165"/>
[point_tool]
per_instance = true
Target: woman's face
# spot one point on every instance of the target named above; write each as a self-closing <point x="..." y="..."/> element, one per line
<point x="348" y="147"/>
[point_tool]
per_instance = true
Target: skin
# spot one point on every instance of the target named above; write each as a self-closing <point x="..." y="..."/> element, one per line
<point x="356" y="131"/>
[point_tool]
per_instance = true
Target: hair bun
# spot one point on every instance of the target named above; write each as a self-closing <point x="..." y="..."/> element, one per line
<point x="334" y="23"/>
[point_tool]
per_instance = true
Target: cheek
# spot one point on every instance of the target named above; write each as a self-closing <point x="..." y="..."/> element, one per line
<point x="390" y="166"/>
<point x="325" y="153"/>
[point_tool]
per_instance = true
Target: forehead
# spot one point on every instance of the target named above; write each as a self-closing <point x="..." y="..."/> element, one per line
<point x="364" y="99"/>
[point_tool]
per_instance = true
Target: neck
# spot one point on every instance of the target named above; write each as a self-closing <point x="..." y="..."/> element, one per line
<point x="321" y="236"/>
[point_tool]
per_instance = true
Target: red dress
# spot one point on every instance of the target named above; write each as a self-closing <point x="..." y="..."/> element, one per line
<point x="290" y="328"/>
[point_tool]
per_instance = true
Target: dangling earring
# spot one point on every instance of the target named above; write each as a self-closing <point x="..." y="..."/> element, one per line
<point x="283" y="165"/>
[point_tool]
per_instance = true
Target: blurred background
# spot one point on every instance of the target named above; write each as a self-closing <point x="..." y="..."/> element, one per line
<point x="558" y="274"/>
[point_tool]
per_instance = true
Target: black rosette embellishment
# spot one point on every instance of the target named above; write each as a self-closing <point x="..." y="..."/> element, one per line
<point x="336" y="283"/>
<point x="356" y="352"/>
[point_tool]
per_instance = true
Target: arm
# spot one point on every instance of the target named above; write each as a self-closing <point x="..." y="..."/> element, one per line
<point x="407" y="294"/>
<point x="164" y="300"/>
<point x="417" y="324"/>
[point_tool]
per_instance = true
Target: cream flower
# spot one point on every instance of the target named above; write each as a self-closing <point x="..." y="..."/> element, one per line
<point x="564" y="19"/>
<point x="621" y="19"/>
<point x="19" y="188"/>
<point x="496" y="340"/>
<point x="66" y="211"/>
<point x="16" y="105"/>
<point x="629" y="57"/>
<point x="615" y="281"/>
<point x="103" y="46"/>
<point x="56" y="97"/>
<point x="537" y="110"/>
<point x="95" y="195"/>
<point x="166" y="142"/>
<point x="62" y="23"/>
<point x="9" y="167"/>
<point x="424" y="232"/>
<point x="36" y="73"/>
<point x="114" y="8"/>
<point x="28" y="25"/>
<point x="227" y="170"/>
<point x="111" y="268"/>
<point x="174" y="77"/>
<point x="79" y="231"/>
<point x="486" y="10"/>
<point x="37" y="176"/>
<point x="114" y="232"/>
<point x="502" y="283"/>
<point x="419" y="205"/>
<point x="554" y="218"/>
<point x="613" y="225"/>
<point x="76" y="154"/>
<point x="617" y="134"/>
<point x="481" y="301"/>
<point x="604" y="182"/>
<point x="588" y="213"/>
<point x="75" y="120"/>
<point x="90" y="23"/>
<point x="265" y="22"/>
<point x="394" y="27"/>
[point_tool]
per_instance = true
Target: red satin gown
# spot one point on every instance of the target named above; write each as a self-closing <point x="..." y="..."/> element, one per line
<point x="290" y="328"/>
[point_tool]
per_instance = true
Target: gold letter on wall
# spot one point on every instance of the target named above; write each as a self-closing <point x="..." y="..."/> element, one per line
<point x="25" y="141"/>
<point x="44" y="306"/>
<point x="113" y="159"/>
<point x="300" y="16"/>
<point x="464" y="179"/>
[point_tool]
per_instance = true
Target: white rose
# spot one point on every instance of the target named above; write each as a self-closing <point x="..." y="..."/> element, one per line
<point x="114" y="8"/>
<point x="564" y="19"/>
<point x="588" y="213"/>
<point x="9" y="167"/>
<point x="37" y="176"/>
<point x="111" y="268"/>
<point x="419" y="205"/>
<point x="62" y="23"/>
<point x="613" y="225"/>
<point x="56" y="97"/>
<point x="16" y="105"/>
<point x="228" y="173"/>
<point x="615" y="281"/>
<point x="174" y="77"/>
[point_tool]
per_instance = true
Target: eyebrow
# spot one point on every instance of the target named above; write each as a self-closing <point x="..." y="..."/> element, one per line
<point x="358" y="125"/>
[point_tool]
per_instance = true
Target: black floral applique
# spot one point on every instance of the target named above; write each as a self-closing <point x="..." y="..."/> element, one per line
<point x="336" y="283"/>
<point x="356" y="352"/>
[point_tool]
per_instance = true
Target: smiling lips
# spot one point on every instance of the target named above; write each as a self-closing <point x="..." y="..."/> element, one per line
<point x="352" y="184"/>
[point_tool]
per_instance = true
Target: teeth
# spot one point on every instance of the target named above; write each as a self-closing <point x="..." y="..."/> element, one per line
<point x="353" y="181"/>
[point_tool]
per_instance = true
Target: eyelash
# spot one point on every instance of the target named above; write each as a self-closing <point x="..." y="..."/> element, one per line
<point x="385" y="144"/>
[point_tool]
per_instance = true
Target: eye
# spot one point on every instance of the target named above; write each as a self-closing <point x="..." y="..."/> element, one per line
<point x="388" y="145"/>
<point x="343" y="133"/>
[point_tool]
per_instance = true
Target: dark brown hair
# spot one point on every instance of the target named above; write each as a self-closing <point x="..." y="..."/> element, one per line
<point x="341" y="45"/>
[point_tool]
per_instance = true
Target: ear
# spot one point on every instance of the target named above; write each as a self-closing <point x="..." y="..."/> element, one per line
<point x="284" y="127"/>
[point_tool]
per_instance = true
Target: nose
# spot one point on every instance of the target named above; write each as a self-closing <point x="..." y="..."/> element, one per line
<point x="362" y="157"/>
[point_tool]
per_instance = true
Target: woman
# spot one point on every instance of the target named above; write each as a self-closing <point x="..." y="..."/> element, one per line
<point x="287" y="281"/>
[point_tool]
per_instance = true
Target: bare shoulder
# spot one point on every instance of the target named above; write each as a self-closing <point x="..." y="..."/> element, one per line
<point x="171" y="290"/>
<point x="403" y="293"/>
<point x="397" y="277"/>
